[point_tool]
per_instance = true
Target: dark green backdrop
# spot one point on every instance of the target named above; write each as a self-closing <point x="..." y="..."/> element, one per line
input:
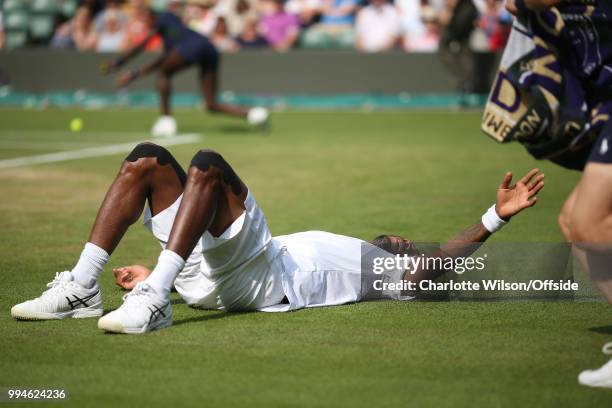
<point x="246" y="72"/>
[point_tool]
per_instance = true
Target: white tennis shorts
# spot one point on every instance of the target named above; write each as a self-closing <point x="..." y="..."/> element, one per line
<point x="246" y="269"/>
<point x="239" y="270"/>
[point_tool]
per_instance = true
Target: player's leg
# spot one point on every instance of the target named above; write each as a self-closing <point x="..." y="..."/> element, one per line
<point x="592" y="214"/>
<point x="209" y="83"/>
<point x="164" y="88"/>
<point x="565" y="216"/>
<point x="149" y="172"/>
<point x="170" y="65"/>
<point x="591" y="224"/>
<point x="213" y="199"/>
<point x="208" y="80"/>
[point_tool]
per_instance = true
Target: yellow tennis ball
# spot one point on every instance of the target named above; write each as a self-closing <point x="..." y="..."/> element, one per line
<point x="76" y="124"/>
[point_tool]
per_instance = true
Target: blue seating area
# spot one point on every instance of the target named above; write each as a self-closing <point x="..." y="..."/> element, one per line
<point x="33" y="21"/>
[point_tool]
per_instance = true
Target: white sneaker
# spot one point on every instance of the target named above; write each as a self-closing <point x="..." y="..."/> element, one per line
<point x="258" y="116"/>
<point x="64" y="298"/>
<point x="602" y="377"/>
<point x="165" y="126"/>
<point x="142" y="310"/>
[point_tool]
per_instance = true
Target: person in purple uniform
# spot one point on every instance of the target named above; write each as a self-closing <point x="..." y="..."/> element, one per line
<point x="579" y="32"/>
<point x="183" y="48"/>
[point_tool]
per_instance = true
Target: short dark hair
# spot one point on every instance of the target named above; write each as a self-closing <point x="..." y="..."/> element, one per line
<point x="383" y="242"/>
<point x="396" y="247"/>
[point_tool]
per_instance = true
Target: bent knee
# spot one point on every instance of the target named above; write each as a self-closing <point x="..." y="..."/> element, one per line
<point x="145" y="157"/>
<point x="150" y="150"/>
<point x="207" y="165"/>
<point x="214" y="166"/>
<point x="142" y="158"/>
<point x="205" y="158"/>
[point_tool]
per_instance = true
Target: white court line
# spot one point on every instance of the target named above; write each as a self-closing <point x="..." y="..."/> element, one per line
<point x="98" y="151"/>
<point x="47" y="132"/>
<point x="46" y="145"/>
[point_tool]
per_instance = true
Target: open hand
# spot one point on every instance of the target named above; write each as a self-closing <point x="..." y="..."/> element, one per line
<point x="128" y="276"/>
<point x="512" y="199"/>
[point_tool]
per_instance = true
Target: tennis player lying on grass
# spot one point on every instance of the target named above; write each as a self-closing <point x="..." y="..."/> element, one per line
<point x="218" y="249"/>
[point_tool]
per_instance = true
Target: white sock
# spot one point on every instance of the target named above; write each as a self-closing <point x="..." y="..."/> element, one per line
<point x="165" y="272"/>
<point x="90" y="265"/>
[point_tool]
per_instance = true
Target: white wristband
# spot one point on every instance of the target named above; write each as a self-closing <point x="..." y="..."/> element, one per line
<point x="491" y="220"/>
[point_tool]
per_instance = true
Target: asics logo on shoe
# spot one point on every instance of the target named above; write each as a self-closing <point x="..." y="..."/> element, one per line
<point x="80" y="301"/>
<point x="156" y="312"/>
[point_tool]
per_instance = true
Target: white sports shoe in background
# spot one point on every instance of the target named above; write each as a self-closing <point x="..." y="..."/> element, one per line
<point x="165" y="126"/>
<point x="142" y="310"/>
<point x="64" y="298"/>
<point x="258" y="116"/>
<point x="602" y="377"/>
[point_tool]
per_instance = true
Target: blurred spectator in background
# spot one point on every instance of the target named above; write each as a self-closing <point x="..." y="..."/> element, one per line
<point x="426" y="40"/>
<point x="436" y="5"/>
<point x="113" y="7"/>
<point x="221" y="39"/>
<point x="76" y="32"/>
<point x="112" y="35"/>
<point x="139" y="23"/>
<point x="94" y="6"/>
<point x="250" y="38"/>
<point x="335" y="28"/>
<point x="308" y="11"/>
<point x="378" y="27"/>
<point x="495" y="23"/>
<point x="455" y="28"/>
<point x="457" y="21"/>
<point x="489" y="37"/>
<point x="280" y="29"/>
<point x="236" y="13"/>
<point x="201" y="16"/>
<point x="410" y="16"/>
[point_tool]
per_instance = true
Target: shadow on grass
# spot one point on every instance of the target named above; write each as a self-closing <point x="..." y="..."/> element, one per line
<point x="237" y="129"/>
<point x="233" y="129"/>
<point x="208" y="317"/>
<point x="203" y="318"/>
<point x="601" y="329"/>
<point x="242" y="129"/>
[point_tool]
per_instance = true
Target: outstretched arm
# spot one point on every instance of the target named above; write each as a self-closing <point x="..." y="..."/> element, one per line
<point x="511" y="200"/>
<point x="130" y="76"/>
<point x="110" y="66"/>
